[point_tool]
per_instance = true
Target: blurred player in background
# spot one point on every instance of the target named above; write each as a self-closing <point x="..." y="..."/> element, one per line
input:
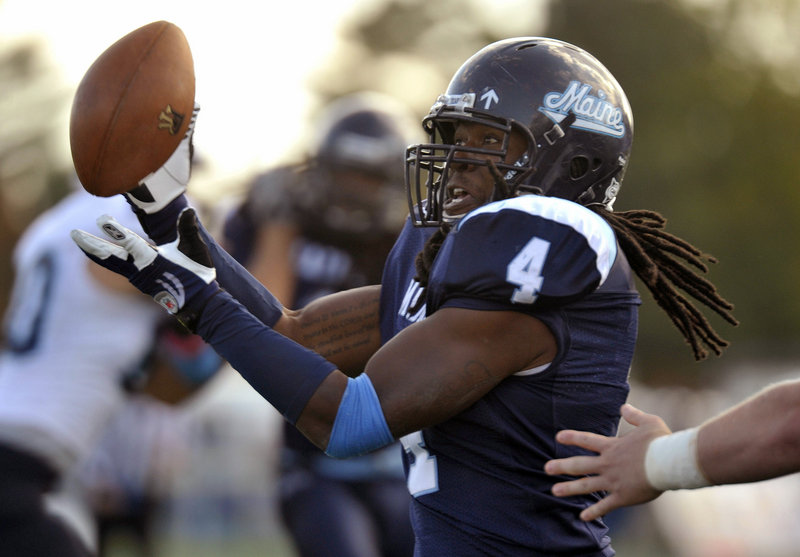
<point x="507" y="314"/>
<point x="66" y="349"/>
<point x="312" y="229"/>
<point x="125" y="480"/>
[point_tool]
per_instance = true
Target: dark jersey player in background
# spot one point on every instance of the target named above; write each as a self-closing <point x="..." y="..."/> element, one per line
<point x="315" y="228"/>
<point x="517" y="319"/>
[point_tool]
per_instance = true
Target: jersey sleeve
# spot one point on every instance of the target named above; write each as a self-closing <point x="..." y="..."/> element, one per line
<point x="525" y="253"/>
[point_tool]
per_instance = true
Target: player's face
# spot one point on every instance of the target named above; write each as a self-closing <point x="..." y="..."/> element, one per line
<point x="471" y="185"/>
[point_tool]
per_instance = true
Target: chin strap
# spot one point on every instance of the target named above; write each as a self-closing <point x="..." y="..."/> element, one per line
<point x="549" y="151"/>
<point x="502" y="189"/>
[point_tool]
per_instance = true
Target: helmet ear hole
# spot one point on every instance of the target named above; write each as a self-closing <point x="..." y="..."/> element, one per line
<point x="578" y="167"/>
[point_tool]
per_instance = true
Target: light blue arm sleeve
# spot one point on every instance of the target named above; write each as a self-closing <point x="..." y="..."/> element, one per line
<point x="360" y="426"/>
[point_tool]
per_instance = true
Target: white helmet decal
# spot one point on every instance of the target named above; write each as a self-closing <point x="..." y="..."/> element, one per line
<point x="592" y="113"/>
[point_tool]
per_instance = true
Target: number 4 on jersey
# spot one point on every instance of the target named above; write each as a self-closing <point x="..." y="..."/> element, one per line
<point x="525" y="270"/>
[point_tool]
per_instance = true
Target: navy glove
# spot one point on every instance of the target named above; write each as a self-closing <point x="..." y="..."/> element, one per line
<point x="180" y="275"/>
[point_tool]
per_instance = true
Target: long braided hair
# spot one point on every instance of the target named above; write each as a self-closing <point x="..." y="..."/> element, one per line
<point x="663" y="262"/>
<point x="666" y="263"/>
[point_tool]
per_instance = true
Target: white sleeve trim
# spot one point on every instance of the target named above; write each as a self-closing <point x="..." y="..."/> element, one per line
<point x="597" y="232"/>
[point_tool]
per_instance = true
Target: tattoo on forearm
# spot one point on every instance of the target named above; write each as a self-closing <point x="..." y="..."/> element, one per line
<point x="341" y="329"/>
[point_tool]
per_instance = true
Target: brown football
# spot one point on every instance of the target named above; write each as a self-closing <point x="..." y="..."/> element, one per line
<point x="132" y="108"/>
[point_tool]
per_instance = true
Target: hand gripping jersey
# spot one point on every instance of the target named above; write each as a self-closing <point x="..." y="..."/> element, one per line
<point x="68" y="340"/>
<point x="477" y="479"/>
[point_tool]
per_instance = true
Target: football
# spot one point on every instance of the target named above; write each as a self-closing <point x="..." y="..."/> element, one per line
<point x="132" y="108"/>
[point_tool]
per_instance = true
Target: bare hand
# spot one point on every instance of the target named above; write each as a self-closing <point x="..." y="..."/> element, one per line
<point x="618" y="467"/>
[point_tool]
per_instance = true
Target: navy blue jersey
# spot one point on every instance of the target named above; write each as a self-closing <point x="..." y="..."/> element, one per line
<point x="477" y="479"/>
<point x="399" y="290"/>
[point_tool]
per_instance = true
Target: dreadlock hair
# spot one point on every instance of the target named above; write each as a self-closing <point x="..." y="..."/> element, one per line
<point x="662" y="261"/>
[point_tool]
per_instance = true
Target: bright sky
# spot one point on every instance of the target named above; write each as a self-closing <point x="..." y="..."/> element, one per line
<point x="251" y="60"/>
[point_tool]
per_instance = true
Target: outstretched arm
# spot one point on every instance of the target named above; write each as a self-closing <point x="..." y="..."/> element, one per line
<point x="426" y="374"/>
<point x="342" y="327"/>
<point x="755" y="440"/>
<point x="159" y="199"/>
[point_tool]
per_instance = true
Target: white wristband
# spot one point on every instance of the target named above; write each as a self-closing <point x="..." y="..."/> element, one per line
<point x="671" y="462"/>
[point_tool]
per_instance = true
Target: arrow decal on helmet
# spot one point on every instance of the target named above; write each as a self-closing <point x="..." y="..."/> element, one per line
<point x="489" y="96"/>
<point x="592" y="113"/>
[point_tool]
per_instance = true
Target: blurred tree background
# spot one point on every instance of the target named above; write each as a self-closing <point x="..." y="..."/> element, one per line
<point x="715" y="90"/>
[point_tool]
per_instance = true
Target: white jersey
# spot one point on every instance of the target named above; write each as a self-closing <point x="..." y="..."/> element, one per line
<point x="68" y="339"/>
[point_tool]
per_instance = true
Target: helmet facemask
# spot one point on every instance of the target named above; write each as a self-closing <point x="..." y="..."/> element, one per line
<point x="428" y="165"/>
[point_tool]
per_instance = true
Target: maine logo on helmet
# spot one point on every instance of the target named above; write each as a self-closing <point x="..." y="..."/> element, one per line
<point x="593" y="113"/>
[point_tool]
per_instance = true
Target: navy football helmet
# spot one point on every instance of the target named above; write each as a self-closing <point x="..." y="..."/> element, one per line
<point x="354" y="184"/>
<point x="569" y="107"/>
<point x="362" y="131"/>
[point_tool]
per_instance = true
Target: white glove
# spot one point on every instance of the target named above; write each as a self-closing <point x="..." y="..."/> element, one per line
<point x="180" y="276"/>
<point x="157" y="189"/>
